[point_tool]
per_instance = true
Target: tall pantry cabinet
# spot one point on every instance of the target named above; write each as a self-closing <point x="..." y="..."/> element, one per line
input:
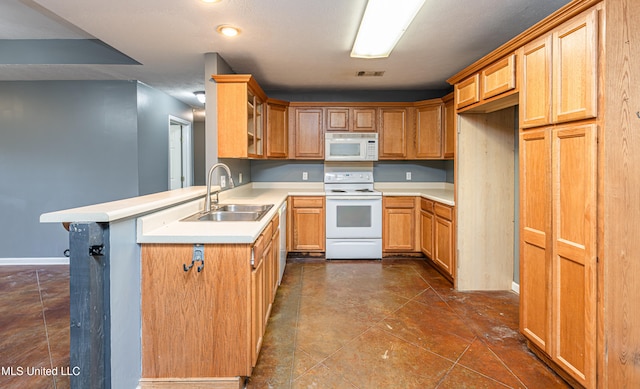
<point x="579" y="155"/>
<point x="558" y="194"/>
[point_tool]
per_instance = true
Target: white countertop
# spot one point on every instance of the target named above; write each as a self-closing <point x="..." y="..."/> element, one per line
<point x="159" y="214"/>
<point x="166" y="226"/>
<point x="126" y="208"/>
<point x="437" y="191"/>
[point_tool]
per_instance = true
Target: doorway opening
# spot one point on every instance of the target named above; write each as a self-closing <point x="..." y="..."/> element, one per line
<point x="180" y="153"/>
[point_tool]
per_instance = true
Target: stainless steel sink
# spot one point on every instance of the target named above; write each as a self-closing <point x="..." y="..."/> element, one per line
<point x="231" y="213"/>
<point x="244" y="208"/>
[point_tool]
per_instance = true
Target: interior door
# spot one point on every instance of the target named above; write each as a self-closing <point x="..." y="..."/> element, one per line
<point x="175" y="156"/>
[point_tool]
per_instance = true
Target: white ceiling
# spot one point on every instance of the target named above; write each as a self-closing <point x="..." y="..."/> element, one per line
<point x="285" y="44"/>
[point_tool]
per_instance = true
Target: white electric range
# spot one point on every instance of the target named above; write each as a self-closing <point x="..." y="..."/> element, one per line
<point x="353" y="215"/>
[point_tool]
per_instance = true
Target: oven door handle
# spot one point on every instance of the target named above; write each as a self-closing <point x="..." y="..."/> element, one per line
<point x="349" y="197"/>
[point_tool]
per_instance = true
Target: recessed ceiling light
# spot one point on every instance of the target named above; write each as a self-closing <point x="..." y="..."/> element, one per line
<point x="200" y="96"/>
<point x="228" y="30"/>
<point x="211" y="1"/>
<point x="382" y="26"/>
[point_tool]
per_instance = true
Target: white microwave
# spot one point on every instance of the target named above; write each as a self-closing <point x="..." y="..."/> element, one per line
<point x="349" y="146"/>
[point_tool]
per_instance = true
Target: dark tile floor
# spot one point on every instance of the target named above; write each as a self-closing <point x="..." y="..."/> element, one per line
<point x="392" y="324"/>
<point x="338" y="324"/>
<point x="34" y="326"/>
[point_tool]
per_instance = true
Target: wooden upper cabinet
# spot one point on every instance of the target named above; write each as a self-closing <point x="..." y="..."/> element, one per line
<point x="337" y="119"/>
<point x="277" y="130"/>
<point x="468" y="91"/>
<point x="449" y="130"/>
<point x="491" y="89"/>
<point x="392" y="133"/>
<point x="349" y="119"/>
<point x="575" y="64"/>
<point x="428" y="137"/>
<point x="307" y="133"/>
<point x="364" y="119"/>
<point x="559" y="74"/>
<point x="240" y="116"/>
<point x="535" y="84"/>
<point x="499" y="77"/>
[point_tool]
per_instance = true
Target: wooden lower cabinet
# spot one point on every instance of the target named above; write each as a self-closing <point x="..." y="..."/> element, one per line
<point x="399" y="224"/>
<point x="438" y="235"/>
<point x="427" y="221"/>
<point x="307" y="223"/>
<point x="206" y="323"/>
<point x="558" y="246"/>
<point x="444" y="252"/>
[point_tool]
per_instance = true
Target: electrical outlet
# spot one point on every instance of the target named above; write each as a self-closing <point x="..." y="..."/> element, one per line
<point x="408" y="176"/>
<point x="239" y="178"/>
<point x="223" y="181"/>
<point x="305" y="176"/>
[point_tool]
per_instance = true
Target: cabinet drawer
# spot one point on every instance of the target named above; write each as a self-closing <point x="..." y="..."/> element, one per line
<point x="308" y="202"/>
<point x="275" y="223"/>
<point x="426" y="205"/>
<point x="399" y="202"/>
<point x="258" y="250"/>
<point x="468" y="91"/>
<point x="499" y="77"/>
<point x="268" y="232"/>
<point x="443" y="211"/>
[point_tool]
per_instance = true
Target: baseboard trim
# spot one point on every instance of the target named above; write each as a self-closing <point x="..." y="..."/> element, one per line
<point x="515" y="287"/>
<point x="38" y="261"/>
<point x="191" y="383"/>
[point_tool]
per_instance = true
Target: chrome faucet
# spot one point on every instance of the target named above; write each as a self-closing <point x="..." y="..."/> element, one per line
<point x="207" y="200"/>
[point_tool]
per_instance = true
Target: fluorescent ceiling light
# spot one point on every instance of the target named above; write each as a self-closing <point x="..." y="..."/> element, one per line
<point x="382" y="25"/>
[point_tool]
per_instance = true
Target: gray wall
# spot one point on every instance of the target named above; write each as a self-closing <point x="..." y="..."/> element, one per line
<point x="421" y="171"/>
<point x="357" y="95"/>
<point x="65" y="144"/>
<point x="58" y="142"/>
<point x="388" y="171"/>
<point x="286" y="170"/>
<point x="154" y="108"/>
<point x="199" y="156"/>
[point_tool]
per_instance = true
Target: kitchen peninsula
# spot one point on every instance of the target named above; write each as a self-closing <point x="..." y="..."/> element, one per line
<point x="117" y="247"/>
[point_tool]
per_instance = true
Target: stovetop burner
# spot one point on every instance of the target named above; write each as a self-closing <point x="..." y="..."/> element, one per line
<point x="364" y="190"/>
<point x="338" y="191"/>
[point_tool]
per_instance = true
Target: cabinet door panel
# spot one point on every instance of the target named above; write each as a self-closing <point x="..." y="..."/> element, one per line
<point x="535" y="85"/>
<point x="535" y="235"/>
<point x="574" y="240"/>
<point x="575" y="46"/>
<point x="499" y="77"/>
<point x="429" y="132"/>
<point x="426" y="229"/>
<point x="364" y="119"/>
<point x="309" y="228"/>
<point x="444" y="244"/>
<point x="277" y="133"/>
<point x="468" y="91"/>
<point x="309" y="141"/>
<point x="337" y="119"/>
<point x="398" y="229"/>
<point x="257" y="310"/>
<point x="393" y="133"/>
